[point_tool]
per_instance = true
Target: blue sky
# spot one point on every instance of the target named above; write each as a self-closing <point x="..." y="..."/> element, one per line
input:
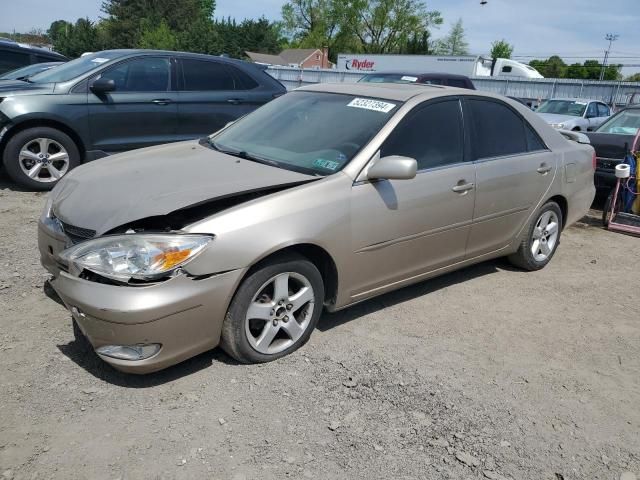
<point x="571" y="28"/>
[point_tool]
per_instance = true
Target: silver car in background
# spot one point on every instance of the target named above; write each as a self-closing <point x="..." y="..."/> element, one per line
<point x="323" y="198"/>
<point x="575" y="114"/>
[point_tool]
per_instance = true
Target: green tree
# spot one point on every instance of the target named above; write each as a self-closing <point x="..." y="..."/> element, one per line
<point x="127" y="18"/>
<point x="202" y="37"/>
<point x="501" y="49"/>
<point x="633" y="78"/>
<point x="314" y="23"/>
<point x="386" y="26"/>
<point x="576" y="70"/>
<point x="72" y="40"/>
<point x="454" y="43"/>
<point x="553" y="67"/>
<point x="159" y="37"/>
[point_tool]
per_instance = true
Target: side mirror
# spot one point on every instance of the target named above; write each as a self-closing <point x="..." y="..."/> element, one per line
<point x="103" y="85"/>
<point x="394" y="167"/>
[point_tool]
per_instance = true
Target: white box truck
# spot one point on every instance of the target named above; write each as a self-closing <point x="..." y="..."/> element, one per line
<point x="468" y="65"/>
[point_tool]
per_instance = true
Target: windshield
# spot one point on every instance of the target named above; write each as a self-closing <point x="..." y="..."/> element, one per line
<point x="626" y="122"/>
<point x="75" y="68"/>
<point x="25" y="72"/>
<point x="389" y="78"/>
<point x="563" y="107"/>
<point x="311" y="132"/>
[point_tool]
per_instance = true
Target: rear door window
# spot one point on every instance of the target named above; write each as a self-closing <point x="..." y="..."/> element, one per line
<point x="432" y="134"/>
<point x="206" y="75"/>
<point x="242" y="80"/>
<point x="496" y="130"/>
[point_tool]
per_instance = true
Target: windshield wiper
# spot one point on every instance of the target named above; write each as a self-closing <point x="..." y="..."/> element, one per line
<point x="244" y="155"/>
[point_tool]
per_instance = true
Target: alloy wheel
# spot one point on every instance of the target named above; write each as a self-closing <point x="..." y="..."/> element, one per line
<point x="279" y="313"/>
<point x="545" y="236"/>
<point x="43" y="160"/>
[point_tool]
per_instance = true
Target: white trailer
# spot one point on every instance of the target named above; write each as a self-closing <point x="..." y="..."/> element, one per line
<point x="468" y="65"/>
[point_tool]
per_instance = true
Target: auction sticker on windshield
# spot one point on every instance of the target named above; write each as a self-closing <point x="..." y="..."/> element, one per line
<point x="100" y="60"/>
<point x="369" y="104"/>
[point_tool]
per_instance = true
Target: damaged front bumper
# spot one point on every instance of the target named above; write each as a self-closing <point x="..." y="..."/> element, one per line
<point x="183" y="315"/>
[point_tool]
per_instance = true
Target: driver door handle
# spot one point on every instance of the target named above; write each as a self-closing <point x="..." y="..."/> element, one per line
<point x="161" y="101"/>
<point x="463" y="188"/>
<point x="544" y="169"/>
<point x="235" y="101"/>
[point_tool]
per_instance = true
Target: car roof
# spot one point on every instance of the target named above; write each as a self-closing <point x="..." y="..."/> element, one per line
<point x="577" y="100"/>
<point x="422" y="74"/>
<point x="15" y="46"/>
<point x="400" y="92"/>
<point x="142" y="51"/>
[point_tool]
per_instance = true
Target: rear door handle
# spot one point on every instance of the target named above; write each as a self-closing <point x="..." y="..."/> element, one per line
<point x="235" y="101"/>
<point x="161" y="101"/>
<point x="463" y="188"/>
<point x="544" y="169"/>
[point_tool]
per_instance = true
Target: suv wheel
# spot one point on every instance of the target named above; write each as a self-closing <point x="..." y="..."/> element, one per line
<point x="38" y="157"/>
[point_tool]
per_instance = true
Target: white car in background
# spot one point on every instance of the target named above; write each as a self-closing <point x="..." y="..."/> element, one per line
<point x="574" y="113"/>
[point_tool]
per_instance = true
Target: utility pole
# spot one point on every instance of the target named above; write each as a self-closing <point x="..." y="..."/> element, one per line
<point x="611" y="37"/>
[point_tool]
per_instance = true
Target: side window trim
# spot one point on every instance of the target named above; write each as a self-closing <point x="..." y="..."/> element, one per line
<point x="128" y="60"/>
<point x="525" y="123"/>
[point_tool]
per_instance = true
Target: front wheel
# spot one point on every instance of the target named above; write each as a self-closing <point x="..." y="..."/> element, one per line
<point x="274" y="310"/>
<point x="541" y="239"/>
<point x="38" y="157"/>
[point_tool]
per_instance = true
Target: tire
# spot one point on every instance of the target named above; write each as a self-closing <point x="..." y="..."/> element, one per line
<point x="277" y="329"/>
<point x="53" y="150"/>
<point x="547" y="239"/>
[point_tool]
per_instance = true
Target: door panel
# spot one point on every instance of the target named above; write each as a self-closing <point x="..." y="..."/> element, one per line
<point x="507" y="190"/>
<point x="141" y="112"/>
<point x="403" y="228"/>
<point x="513" y="170"/>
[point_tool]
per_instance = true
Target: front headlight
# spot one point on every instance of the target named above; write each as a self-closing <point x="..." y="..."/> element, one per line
<point x="137" y="256"/>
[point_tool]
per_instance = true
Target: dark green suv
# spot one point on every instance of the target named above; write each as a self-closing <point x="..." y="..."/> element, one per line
<point x="117" y="100"/>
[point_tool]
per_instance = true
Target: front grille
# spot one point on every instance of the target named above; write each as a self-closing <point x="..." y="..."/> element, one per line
<point x="76" y="234"/>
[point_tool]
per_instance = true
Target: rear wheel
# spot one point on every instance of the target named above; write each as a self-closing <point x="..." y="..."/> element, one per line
<point x="274" y="310"/>
<point x="541" y="240"/>
<point x="38" y="157"/>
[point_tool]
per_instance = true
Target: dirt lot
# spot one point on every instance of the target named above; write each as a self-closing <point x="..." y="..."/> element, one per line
<point x="486" y="373"/>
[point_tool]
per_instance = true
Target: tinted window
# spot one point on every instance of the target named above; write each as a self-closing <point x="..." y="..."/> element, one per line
<point x="146" y="74"/>
<point x="244" y="81"/>
<point x="534" y="143"/>
<point x="432" y="135"/>
<point x="507" y="69"/>
<point x="202" y="75"/>
<point x="12" y="60"/>
<point x="603" y="110"/>
<point x="497" y="130"/>
<point x="454" y="82"/>
<point x="592" y="110"/>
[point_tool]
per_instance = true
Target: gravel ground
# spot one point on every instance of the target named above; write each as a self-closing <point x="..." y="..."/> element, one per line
<point x="489" y="373"/>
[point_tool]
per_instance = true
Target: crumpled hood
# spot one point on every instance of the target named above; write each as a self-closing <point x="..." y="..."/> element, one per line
<point x="18" y="87"/>
<point x="111" y="192"/>
<point x="556" y="118"/>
